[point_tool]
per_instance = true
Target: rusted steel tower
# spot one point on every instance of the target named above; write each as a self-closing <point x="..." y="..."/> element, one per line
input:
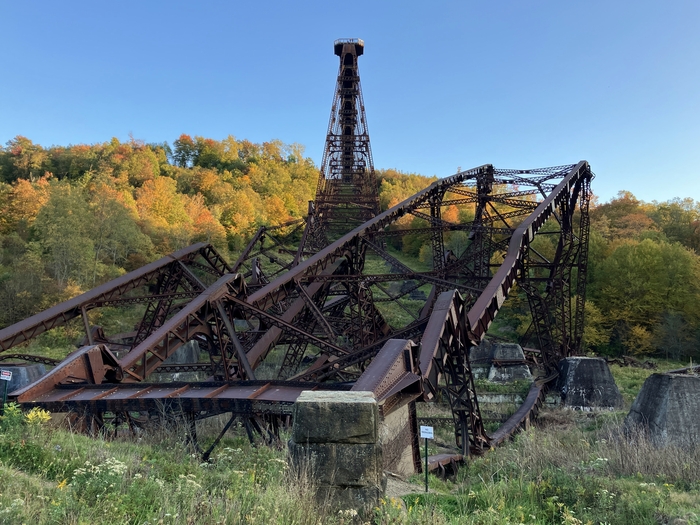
<point x="347" y="194"/>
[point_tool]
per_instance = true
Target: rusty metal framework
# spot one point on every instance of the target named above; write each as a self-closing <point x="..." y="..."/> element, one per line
<point x="276" y="323"/>
<point x="329" y="302"/>
<point x="347" y="193"/>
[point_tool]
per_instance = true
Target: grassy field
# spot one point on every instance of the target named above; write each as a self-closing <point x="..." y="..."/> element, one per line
<point x="572" y="467"/>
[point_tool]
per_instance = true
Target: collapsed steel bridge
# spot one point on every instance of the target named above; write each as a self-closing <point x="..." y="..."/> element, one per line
<point x="284" y="319"/>
<point x="326" y="302"/>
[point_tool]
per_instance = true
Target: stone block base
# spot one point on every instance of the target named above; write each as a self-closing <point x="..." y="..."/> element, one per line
<point x="667" y="408"/>
<point x="586" y="383"/>
<point x="339" y="464"/>
<point x="335" y="417"/>
<point x="361" y="499"/>
<point x="335" y="440"/>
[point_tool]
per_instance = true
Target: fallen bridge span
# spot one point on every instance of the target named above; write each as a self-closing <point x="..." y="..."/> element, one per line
<point x="349" y="315"/>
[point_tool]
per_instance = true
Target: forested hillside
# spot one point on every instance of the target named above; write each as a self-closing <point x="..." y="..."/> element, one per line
<point x="74" y="217"/>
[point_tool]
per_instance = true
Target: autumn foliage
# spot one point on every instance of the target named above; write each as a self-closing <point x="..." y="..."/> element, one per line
<point x="73" y="217"/>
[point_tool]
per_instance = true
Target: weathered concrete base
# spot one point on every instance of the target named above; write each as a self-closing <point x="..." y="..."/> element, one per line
<point x="507" y="351"/>
<point x="22" y="375"/>
<point x="395" y="438"/>
<point x="586" y="383"/>
<point x="481" y="353"/>
<point x="340" y="464"/>
<point x="335" y="439"/>
<point x="667" y="407"/>
<point x="499" y="362"/>
<point x="335" y="417"/>
<point x="361" y="499"/>
<point x="509" y="373"/>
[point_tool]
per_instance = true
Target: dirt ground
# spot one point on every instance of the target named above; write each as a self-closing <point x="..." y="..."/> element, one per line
<point x="396" y="487"/>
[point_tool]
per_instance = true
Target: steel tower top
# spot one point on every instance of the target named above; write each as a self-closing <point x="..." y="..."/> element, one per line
<point x="357" y="42"/>
<point x="347" y="193"/>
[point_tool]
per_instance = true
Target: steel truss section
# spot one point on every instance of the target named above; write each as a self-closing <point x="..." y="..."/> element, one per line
<point x="329" y="307"/>
<point x="347" y="193"/>
<point x="145" y="285"/>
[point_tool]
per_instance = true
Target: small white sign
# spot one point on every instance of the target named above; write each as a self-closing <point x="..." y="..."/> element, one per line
<point x="6" y="375"/>
<point x="426" y="432"/>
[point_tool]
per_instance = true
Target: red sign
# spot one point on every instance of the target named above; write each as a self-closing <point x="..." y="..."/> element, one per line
<point x="5" y="375"/>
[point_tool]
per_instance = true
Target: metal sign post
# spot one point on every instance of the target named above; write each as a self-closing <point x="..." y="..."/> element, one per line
<point x="5" y="375"/>
<point x="427" y="433"/>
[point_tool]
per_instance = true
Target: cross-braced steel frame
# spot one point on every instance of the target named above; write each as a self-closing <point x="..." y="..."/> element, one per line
<point x="328" y="318"/>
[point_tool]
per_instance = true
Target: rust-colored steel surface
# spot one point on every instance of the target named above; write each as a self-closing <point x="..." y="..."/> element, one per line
<point x="329" y="302"/>
<point x="331" y="316"/>
<point x="127" y="289"/>
<point x="347" y="193"/>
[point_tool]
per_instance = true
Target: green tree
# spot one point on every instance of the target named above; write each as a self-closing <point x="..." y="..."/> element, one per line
<point x="640" y="281"/>
<point x="22" y="281"/>
<point x="679" y="219"/>
<point x="164" y="215"/>
<point x="63" y="229"/>
<point x="183" y="151"/>
<point x="114" y="228"/>
<point x="24" y="160"/>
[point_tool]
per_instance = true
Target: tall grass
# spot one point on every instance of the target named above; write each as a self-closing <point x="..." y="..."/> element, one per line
<point x="582" y="468"/>
<point x="55" y="475"/>
<point x="573" y="467"/>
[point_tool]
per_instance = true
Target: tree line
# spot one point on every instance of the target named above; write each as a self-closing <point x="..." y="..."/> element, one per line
<point x="72" y="217"/>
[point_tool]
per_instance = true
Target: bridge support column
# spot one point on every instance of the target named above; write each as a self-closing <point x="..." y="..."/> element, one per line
<point x="667" y="410"/>
<point x="335" y="441"/>
<point x="22" y="374"/>
<point x="586" y="383"/>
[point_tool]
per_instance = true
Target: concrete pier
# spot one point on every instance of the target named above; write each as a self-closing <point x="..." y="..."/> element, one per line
<point x="667" y="407"/>
<point x="335" y="440"/>
<point x="22" y="375"/>
<point x="586" y="383"/>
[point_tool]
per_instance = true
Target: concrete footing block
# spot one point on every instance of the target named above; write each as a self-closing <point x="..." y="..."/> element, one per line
<point x="667" y="409"/>
<point x="335" y="417"/>
<point x="335" y="440"/>
<point x="340" y="464"/>
<point x="510" y="373"/>
<point x="499" y="362"/>
<point x="22" y="375"/>
<point x="586" y="383"/>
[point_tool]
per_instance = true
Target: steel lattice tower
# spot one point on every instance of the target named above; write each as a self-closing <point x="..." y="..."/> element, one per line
<point x="347" y="194"/>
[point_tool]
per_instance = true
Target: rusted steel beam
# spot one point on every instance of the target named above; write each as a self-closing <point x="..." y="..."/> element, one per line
<point x="282" y="325"/>
<point x="444" y="360"/>
<point x="369" y="278"/>
<point x="192" y="320"/>
<point x="522" y="417"/>
<point x="62" y="313"/>
<point x="215" y="397"/>
<point x="326" y="368"/>
<point x="467" y="228"/>
<point x="421" y="276"/>
<point x="277" y="289"/>
<point x="483" y="312"/>
<point x="392" y="371"/>
<point x="240" y="351"/>
<point x="30" y="358"/>
<point x="258" y="352"/>
<point x="120" y="301"/>
<point x="88" y="365"/>
<point x="317" y="313"/>
<point x="259" y="237"/>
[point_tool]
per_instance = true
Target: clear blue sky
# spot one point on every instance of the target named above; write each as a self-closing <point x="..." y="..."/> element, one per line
<point x="518" y="84"/>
